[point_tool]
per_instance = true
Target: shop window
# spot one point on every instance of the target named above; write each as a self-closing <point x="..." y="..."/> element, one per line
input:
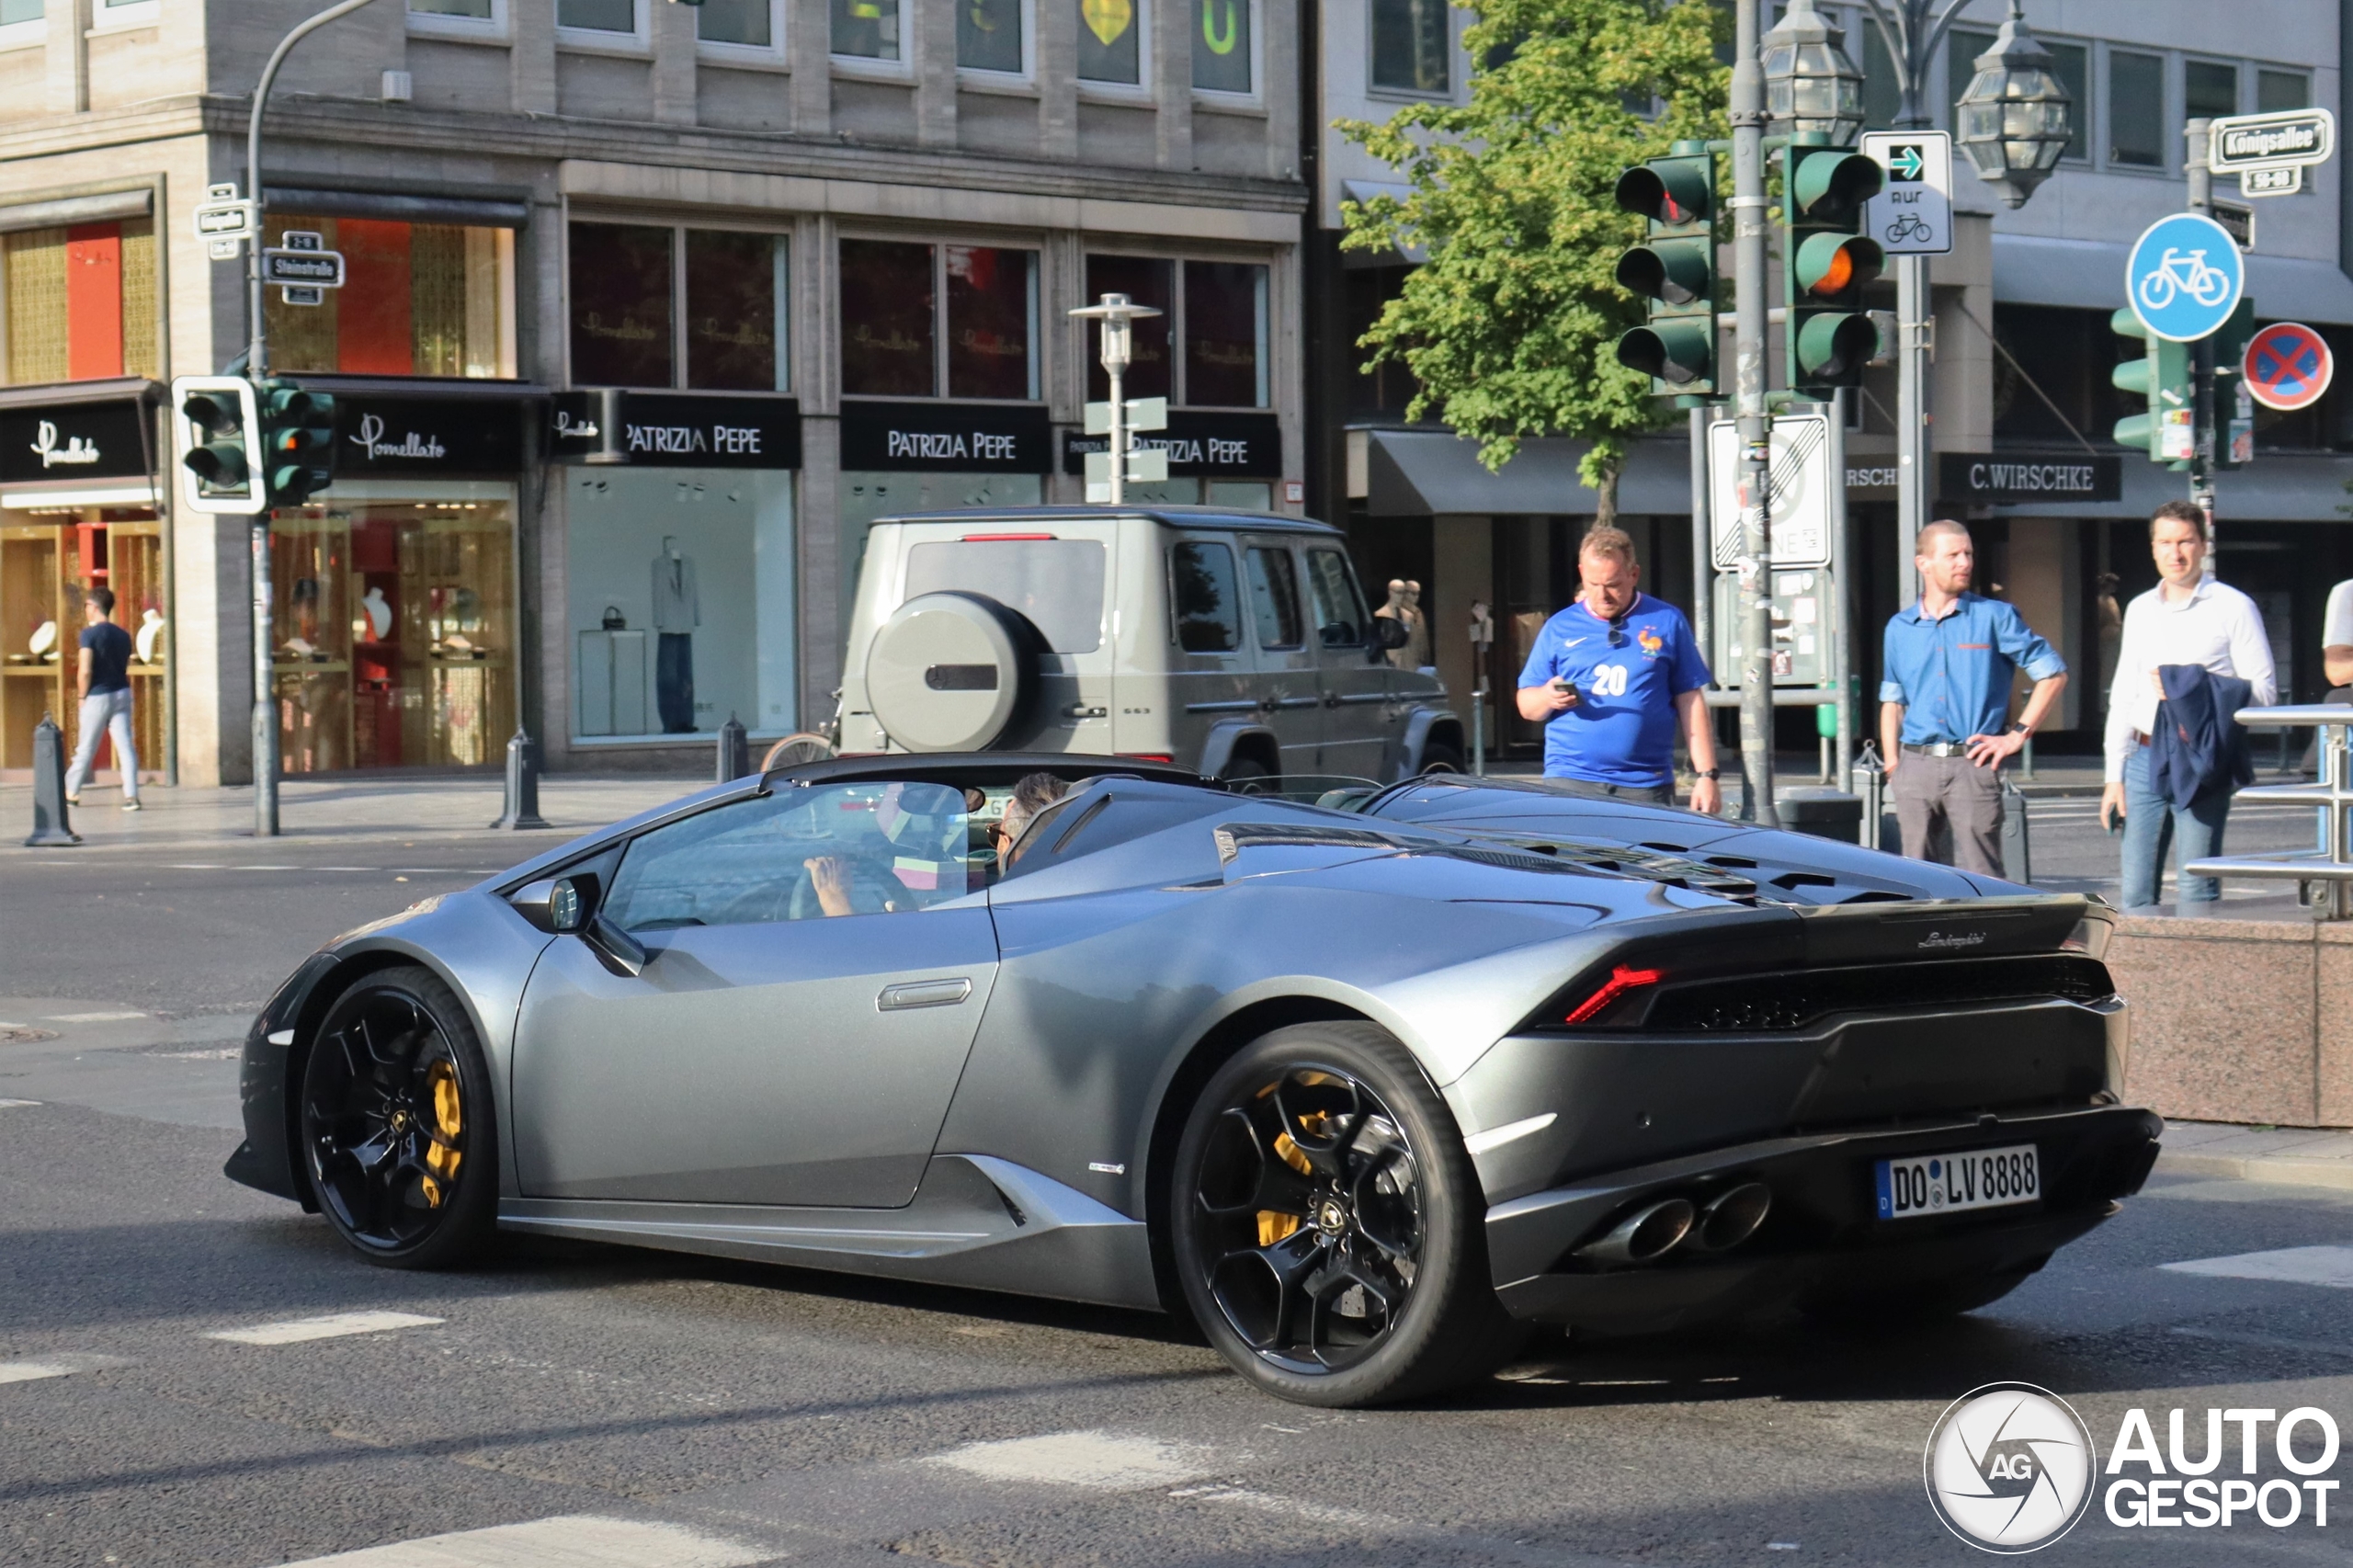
<point x="915" y="318"/>
<point x="867" y="29"/>
<point x="1147" y="281"/>
<point x="620" y="305"/>
<point x="746" y="24"/>
<point x="81" y="302"/>
<point x="737" y="305"/>
<point x="1411" y="51"/>
<point x="1226" y="333"/>
<point x="992" y="322"/>
<point x="393" y="634"/>
<point x="417" y="300"/>
<point x="2136" y="109"/>
<point x="989" y="36"/>
<point x="48" y="564"/>
<point x="1208" y="607"/>
<point x="1221" y="45"/>
<point x="681" y="593"/>
<point x="1110" y="42"/>
<point x="887" y="303"/>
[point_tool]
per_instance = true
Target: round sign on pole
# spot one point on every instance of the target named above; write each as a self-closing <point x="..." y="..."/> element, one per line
<point x="2184" y="278"/>
<point x="2288" y="366"/>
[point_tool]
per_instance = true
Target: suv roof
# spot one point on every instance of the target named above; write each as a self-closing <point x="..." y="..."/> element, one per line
<point x="1174" y="516"/>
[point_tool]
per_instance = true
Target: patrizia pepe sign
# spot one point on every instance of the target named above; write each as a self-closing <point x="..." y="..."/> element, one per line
<point x="945" y="437"/>
<point x="427" y="437"/>
<point x="677" y="430"/>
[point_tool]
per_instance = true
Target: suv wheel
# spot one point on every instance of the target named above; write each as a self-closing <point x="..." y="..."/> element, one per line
<point x="1441" y="756"/>
<point x="1246" y="777"/>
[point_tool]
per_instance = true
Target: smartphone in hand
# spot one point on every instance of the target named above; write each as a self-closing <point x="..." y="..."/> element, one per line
<point x="1562" y="683"/>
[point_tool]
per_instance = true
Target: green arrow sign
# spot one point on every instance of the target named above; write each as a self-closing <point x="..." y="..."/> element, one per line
<point x="1907" y="162"/>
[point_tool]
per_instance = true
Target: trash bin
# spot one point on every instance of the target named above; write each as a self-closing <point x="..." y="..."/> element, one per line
<point x="1823" y="813"/>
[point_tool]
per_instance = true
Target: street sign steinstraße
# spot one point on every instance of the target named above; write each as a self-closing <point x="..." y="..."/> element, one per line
<point x="1912" y="214"/>
<point x="303" y="269"/>
<point x="2184" y="278"/>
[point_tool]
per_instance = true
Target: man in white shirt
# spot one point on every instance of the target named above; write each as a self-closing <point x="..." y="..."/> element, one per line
<point x="2188" y="618"/>
<point x="2337" y="637"/>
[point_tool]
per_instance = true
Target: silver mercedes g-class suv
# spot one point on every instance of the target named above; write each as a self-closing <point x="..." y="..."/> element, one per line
<point x="1235" y="643"/>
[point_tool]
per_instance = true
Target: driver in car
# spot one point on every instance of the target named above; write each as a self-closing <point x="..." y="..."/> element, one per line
<point x="910" y="844"/>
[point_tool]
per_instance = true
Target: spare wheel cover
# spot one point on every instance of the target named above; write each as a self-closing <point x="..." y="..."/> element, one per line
<point x="946" y="672"/>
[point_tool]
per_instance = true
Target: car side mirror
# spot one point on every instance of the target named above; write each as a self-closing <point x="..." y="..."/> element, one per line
<point x="1389" y="632"/>
<point x="558" y="905"/>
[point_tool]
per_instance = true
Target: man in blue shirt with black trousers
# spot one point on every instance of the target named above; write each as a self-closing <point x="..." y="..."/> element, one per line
<point x="1945" y="706"/>
<point x="1608" y="678"/>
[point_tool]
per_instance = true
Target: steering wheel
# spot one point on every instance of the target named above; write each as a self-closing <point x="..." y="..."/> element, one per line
<point x="867" y="890"/>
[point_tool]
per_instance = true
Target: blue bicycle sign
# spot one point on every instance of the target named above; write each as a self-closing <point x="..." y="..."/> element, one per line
<point x="2184" y="278"/>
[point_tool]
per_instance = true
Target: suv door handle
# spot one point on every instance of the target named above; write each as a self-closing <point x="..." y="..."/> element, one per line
<point x="1331" y="700"/>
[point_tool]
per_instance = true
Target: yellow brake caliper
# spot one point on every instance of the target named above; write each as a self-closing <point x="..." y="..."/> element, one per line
<point x="449" y="1121"/>
<point x="1274" y="1227"/>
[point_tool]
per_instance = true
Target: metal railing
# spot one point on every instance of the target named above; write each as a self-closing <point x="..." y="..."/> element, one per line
<point x="2329" y="867"/>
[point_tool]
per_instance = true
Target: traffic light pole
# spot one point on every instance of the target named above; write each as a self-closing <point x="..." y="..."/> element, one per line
<point x="265" y="721"/>
<point x="2201" y="353"/>
<point x="1754" y="426"/>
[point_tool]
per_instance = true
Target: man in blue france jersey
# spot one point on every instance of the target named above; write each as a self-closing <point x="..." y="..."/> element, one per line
<point x="1610" y="678"/>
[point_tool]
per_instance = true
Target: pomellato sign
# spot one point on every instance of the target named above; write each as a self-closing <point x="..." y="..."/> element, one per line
<point x="1206" y="446"/>
<point x="1982" y="476"/>
<point x="427" y="436"/>
<point x="677" y="430"/>
<point x="945" y="437"/>
<point x="73" y="441"/>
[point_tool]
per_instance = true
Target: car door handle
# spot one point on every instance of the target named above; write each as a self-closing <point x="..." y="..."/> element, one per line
<point x="923" y="994"/>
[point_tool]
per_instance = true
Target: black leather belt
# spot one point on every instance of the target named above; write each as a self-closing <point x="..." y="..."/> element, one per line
<point x="1938" y="748"/>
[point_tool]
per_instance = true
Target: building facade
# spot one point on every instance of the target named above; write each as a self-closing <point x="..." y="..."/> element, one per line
<point x="2023" y="353"/>
<point x="651" y="309"/>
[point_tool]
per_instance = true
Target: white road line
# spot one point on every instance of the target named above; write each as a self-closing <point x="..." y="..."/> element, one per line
<point x="294" y="1331"/>
<point x="92" y="1017"/>
<point x="34" y="1368"/>
<point x="2297" y="1266"/>
<point x="12" y="1105"/>
<point x="1296" y="1508"/>
<point x="570" y="1540"/>
<point x="1103" y="1460"/>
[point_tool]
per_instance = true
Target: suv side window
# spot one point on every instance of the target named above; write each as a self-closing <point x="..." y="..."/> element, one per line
<point x="1274" y="596"/>
<point x="1207" y="604"/>
<point x="1339" y="610"/>
<point x="872" y="848"/>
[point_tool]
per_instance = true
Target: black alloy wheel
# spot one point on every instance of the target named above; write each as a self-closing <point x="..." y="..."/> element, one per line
<point x="395" y="1125"/>
<point x="1328" y="1222"/>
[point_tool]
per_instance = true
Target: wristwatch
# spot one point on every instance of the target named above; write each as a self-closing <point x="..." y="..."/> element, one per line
<point x="2020" y="728"/>
<point x="1707" y="773"/>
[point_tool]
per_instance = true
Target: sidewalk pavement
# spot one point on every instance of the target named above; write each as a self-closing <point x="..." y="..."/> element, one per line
<point x="2293" y="1156"/>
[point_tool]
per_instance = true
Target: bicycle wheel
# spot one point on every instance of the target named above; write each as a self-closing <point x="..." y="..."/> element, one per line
<point x="2150" y="289"/>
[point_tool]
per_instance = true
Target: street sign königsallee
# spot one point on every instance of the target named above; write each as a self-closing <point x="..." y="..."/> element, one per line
<point x="1912" y="214"/>
<point x="2185" y="277"/>
<point x="2288" y="366"/>
<point x="2281" y="138"/>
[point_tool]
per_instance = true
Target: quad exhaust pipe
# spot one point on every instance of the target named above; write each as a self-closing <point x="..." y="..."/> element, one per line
<point x="1656" y="1229"/>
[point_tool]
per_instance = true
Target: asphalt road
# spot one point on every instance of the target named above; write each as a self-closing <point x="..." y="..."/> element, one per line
<point x="574" y="1405"/>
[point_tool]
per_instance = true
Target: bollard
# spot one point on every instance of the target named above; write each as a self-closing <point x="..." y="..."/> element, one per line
<point x="522" y="809"/>
<point x="51" y="829"/>
<point x="735" y="750"/>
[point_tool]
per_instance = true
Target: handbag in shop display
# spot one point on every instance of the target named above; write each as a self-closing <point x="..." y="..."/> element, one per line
<point x="612" y="679"/>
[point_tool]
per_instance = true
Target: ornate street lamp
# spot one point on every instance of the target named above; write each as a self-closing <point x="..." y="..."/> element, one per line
<point x="1810" y="84"/>
<point x="2016" y="118"/>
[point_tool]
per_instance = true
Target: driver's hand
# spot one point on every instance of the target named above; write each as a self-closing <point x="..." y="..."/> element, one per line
<point x="830" y="874"/>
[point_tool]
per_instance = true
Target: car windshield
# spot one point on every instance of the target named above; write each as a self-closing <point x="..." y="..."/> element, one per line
<point x="1057" y="583"/>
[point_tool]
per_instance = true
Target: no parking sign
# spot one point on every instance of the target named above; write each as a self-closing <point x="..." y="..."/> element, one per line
<point x="2288" y="366"/>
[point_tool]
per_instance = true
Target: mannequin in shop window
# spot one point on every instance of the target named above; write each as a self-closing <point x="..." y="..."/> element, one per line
<point x="1404" y="606"/>
<point x="677" y="611"/>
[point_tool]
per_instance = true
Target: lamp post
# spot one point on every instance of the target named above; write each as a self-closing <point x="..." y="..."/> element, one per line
<point x="1117" y="313"/>
<point x="1751" y="420"/>
<point x="2015" y="122"/>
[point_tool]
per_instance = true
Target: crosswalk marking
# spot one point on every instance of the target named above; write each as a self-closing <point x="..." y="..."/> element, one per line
<point x="34" y="1368"/>
<point x="1103" y="1460"/>
<point x="2297" y="1266"/>
<point x="569" y="1540"/>
<point x="333" y="1326"/>
<point x="92" y="1017"/>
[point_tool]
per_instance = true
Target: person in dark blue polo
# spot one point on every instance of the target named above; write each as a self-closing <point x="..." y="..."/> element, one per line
<point x="1945" y="705"/>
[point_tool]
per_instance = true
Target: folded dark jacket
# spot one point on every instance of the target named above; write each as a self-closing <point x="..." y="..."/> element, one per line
<point x="2200" y="746"/>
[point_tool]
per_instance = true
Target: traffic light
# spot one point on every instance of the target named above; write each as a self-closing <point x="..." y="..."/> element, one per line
<point x="2162" y="376"/>
<point x="1828" y="262"/>
<point x="297" y="439"/>
<point x="2233" y="411"/>
<point x="1673" y="270"/>
<point x="219" y="437"/>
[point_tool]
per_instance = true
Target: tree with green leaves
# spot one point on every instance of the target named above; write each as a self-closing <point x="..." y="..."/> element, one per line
<point x="1511" y="326"/>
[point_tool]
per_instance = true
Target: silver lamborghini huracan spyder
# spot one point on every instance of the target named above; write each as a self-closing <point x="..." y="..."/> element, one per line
<point x="1360" y="1086"/>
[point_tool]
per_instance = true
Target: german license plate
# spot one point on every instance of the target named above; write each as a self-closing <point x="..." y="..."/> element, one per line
<point x="1947" y="1184"/>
